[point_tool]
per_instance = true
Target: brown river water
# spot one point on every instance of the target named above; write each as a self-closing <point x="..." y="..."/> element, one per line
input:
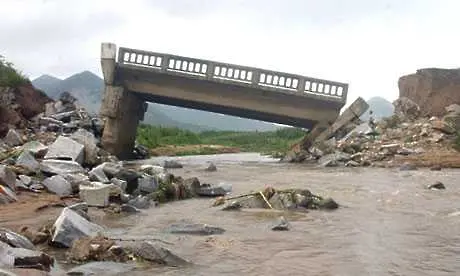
<point x="389" y="224"/>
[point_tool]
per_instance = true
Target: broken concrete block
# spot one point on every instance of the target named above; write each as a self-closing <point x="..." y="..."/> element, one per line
<point x="7" y="177"/>
<point x="120" y="183"/>
<point x="88" y="140"/>
<point x="147" y="184"/>
<point x="96" y="194"/>
<point x="27" y="161"/>
<point x="13" y="138"/>
<point x="36" y="148"/>
<point x="97" y="174"/>
<point x="65" y="148"/>
<point x="70" y="226"/>
<point x="7" y="195"/>
<point x="15" y="240"/>
<point x="11" y="257"/>
<point x="61" y="167"/>
<point x="58" y="185"/>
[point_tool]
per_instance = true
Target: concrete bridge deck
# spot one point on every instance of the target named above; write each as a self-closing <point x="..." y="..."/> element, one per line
<point x="141" y="76"/>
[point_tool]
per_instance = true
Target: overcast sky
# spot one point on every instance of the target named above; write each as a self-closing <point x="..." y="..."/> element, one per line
<point x="367" y="43"/>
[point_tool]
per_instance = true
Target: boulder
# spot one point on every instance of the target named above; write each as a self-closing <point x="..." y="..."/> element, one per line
<point x="152" y="170"/>
<point x="232" y="206"/>
<point x="15" y="240"/>
<point x="113" y="169"/>
<point x="211" y="191"/>
<point x="24" y="258"/>
<point x="194" y="229"/>
<point x="172" y="164"/>
<point x="406" y="108"/>
<point x="147" y="184"/>
<point x="13" y="138"/>
<point x="27" y="160"/>
<point x="211" y="168"/>
<point x="36" y="148"/>
<point x="96" y="194"/>
<point x="140" y="202"/>
<point x="281" y="224"/>
<point x="119" y="183"/>
<point x="130" y="176"/>
<point x="102" y="268"/>
<point x="61" y="167"/>
<point x="7" y="195"/>
<point x="437" y="186"/>
<point x="155" y="253"/>
<point x="25" y="180"/>
<point x="333" y="159"/>
<point x="327" y="204"/>
<point x="97" y="174"/>
<point x="70" y="226"/>
<point x="58" y="185"/>
<point x="89" y="142"/>
<point x="443" y="127"/>
<point x="127" y="208"/>
<point x="65" y="148"/>
<point x="7" y="177"/>
<point x="76" y="180"/>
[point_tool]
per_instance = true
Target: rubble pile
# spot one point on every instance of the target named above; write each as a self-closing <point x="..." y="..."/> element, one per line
<point x="406" y="134"/>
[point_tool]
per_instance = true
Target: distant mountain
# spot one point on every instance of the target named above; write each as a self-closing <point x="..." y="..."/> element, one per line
<point x="87" y="88"/>
<point x="380" y="107"/>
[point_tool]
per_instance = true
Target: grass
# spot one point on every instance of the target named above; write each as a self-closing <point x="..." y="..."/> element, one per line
<point x="248" y="141"/>
<point x="10" y="76"/>
<point x="457" y="141"/>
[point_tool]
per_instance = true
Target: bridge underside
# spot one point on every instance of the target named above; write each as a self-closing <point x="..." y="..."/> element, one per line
<point x="283" y="108"/>
<point x="128" y="87"/>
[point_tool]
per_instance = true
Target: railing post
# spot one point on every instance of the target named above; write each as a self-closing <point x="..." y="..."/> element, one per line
<point x="255" y="78"/>
<point x="344" y="93"/>
<point x="164" y="63"/>
<point x="210" y="70"/>
<point x="301" y="85"/>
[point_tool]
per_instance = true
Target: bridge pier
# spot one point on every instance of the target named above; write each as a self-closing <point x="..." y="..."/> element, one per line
<point x="121" y="110"/>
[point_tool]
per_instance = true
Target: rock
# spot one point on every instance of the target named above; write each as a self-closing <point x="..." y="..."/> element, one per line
<point x="7" y="195"/>
<point x="193" y="184"/>
<point x="408" y="167"/>
<point x="152" y="170"/>
<point x="61" y="167"/>
<point x="119" y="183"/>
<point x="7" y="177"/>
<point x="25" y="180"/>
<point x="35" y="237"/>
<point x="113" y="169"/>
<point x="66" y="98"/>
<point x="58" y="185"/>
<point x="147" y="184"/>
<point x="24" y="258"/>
<point x="141" y="151"/>
<point x="327" y="203"/>
<point x="13" y="138"/>
<point x="194" y="229"/>
<point x="172" y="164"/>
<point x="64" y="117"/>
<point x="232" y="206"/>
<point x="89" y="141"/>
<point x="130" y="176"/>
<point x="406" y="108"/>
<point x="76" y="180"/>
<point x="155" y="253"/>
<point x="96" y="194"/>
<point x="281" y="225"/>
<point x="140" y="202"/>
<point x="352" y="163"/>
<point x="70" y="226"/>
<point x="102" y="268"/>
<point x="453" y="120"/>
<point x="437" y="186"/>
<point x="97" y="248"/>
<point x="65" y="148"/>
<point x="15" y="240"/>
<point x="330" y="160"/>
<point x="211" y="168"/>
<point x="81" y="206"/>
<point x="129" y="208"/>
<point x="26" y="160"/>
<point x="97" y="174"/>
<point x="443" y="127"/>
<point x="453" y="108"/>
<point x="211" y="191"/>
<point x="435" y="168"/>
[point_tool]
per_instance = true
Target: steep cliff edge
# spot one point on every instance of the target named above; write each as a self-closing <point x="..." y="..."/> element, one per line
<point x="432" y="89"/>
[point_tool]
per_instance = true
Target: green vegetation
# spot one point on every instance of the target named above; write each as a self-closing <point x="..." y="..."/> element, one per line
<point x="263" y="142"/>
<point x="457" y="141"/>
<point x="10" y="76"/>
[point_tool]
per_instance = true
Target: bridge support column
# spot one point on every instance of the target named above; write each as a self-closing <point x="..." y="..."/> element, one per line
<point x="121" y="109"/>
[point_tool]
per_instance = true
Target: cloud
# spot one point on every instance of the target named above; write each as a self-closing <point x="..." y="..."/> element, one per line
<point x="366" y="43"/>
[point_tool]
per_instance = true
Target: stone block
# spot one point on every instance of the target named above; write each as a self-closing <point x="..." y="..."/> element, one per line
<point x="65" y="148"/>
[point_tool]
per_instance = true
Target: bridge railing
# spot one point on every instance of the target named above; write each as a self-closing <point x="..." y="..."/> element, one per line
<point x="231" y="73"/>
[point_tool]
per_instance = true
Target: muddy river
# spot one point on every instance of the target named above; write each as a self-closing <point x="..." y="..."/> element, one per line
<point x="389" y="223"/>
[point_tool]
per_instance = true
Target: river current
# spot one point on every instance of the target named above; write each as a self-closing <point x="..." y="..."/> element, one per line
<point x="388" y="223"/>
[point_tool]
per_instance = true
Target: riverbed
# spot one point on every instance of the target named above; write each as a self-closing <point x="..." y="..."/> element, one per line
<point x="389" y="223"/>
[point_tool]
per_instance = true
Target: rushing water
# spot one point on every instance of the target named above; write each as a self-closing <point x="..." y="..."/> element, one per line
<point x="389" y="223"/>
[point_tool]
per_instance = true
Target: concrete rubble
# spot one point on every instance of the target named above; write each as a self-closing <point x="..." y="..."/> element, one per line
<point x="393" y="141"/>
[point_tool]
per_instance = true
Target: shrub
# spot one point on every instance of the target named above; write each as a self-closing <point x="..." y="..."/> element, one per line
<point x="10" y="76"/>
